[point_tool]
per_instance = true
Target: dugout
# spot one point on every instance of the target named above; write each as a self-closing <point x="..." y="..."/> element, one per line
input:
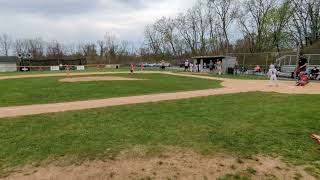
<point x="8" y="63"/>
<point x="204" y="61"/>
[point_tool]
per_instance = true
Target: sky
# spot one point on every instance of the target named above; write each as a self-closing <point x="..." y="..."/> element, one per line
<point x="72" y="21"/>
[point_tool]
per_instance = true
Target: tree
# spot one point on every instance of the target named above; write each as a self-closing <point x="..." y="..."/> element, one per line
<point x="255" y="21"/>
<point x="279" y="19"/>
<point x="54" y="51"/>
<point x="184" y="34"/>
<point x="226" y="11"/>
<point x="5" y="44"/>
<point x="314" y="15"/>
<point x="36" y="47"/>
<point x="152" y="40"/>
<point x="102" y="48"/>
<point x="112" y="46"/>
<point x="166" y="27"/>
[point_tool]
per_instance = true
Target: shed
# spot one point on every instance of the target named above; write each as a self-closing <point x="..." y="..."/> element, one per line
<point x="8" y="63"/>
<point x="227" y="61"/>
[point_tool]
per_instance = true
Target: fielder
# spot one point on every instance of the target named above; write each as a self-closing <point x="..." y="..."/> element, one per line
<point x="273" y="76"/>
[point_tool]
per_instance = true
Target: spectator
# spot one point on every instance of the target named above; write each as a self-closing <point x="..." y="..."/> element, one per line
<point x="186" y="65"/>
<point x="243" y="70"/>
<point x="211" y="66"/>
<point x="191" y="67"/>
<point x="131" y="68"/>
<point x="257" y="69"/>
<point x="163" y="65"/>
<point x="315" y="73"/>
<point x="236" y="69"/>
<point x="219" y="66"/>
<point x="200" y="67"/>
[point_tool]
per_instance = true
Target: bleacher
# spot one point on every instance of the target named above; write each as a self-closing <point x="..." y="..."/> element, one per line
<point x="287" y="64"/>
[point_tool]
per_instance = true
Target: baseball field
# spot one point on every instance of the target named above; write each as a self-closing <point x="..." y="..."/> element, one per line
<point x="156" y="125"/>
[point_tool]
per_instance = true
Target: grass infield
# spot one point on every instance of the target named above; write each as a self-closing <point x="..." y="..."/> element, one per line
<point x="49" y="90"/>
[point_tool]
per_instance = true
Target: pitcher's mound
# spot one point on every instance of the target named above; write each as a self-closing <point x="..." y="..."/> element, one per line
<point x="98" y="78"/>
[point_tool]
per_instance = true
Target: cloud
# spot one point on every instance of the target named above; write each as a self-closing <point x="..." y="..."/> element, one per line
<point x="83" y="20"/>
<point x="49" y="7"/>
<point x="68" y="7"/>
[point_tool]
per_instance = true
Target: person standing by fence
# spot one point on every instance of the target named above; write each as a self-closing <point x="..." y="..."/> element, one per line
<point x="186" y="65"/>
<point x="131" y="68"/>
<point x="211" y="66"/>
<point x="219" y="66"/>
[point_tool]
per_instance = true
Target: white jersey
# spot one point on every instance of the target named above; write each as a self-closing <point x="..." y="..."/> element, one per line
<point x="273" y="76"/>
<point x="272" y="72"/>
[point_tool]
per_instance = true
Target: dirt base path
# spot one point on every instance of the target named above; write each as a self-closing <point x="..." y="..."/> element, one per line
<point x="230" y="86"/>
<point x="98" y="78"/>
<point x="58" y="75"/>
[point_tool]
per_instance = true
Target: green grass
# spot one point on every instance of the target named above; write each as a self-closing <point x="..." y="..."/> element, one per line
<point x="55" y="72"/>
<point x="50" y="90"/>
<point x="121" y="69"/>
<point x="244" y="125"/>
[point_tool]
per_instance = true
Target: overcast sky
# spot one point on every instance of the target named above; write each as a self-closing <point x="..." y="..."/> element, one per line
<point x="84" y="20"/>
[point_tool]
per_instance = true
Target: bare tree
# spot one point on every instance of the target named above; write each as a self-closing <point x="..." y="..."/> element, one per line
<point x="279" y="18"/>
<point x="314" y="16"/>
<point x="192" y="22"/>
<point x="226" y="11"/>
<point x="102" y="48"/>
<point x="55" y="51"/>
<point x="36" y="47"/>
<point x="300" y="22"/>
<point x="166" y="27"/>
<point x="112" y="46"/>
<point x="202" y="26"/>
<point x="212" y="21"/>
<point x="185" y="34"/>
<point x="89" y="50"/>
<point x="254" y="21"/>
<point x="5" y="44"/>
<point x="152" y="39"/>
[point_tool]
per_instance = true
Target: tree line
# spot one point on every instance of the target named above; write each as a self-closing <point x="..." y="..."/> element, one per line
<point x="106" y="51"/>
<point x="210" y="27"/>
<point x="214" y="27"/>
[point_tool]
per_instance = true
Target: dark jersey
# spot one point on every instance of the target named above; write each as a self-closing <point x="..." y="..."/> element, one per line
<point x="302" y="62"/>
<point x="314" y="71"/>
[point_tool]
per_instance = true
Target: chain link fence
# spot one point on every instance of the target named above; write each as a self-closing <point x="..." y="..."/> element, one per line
<point x="251" y="60"/>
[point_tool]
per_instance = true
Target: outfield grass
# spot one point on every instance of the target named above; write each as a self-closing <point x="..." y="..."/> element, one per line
<point x="64" y="71"/>
<point x="50" y="90"/>
<point x="121" y="69"/>
<point x="243" y="124"/>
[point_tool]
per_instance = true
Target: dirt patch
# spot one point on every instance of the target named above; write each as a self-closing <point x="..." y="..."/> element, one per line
<point x="175" y="163"/>
<point x="98" y="78"/>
